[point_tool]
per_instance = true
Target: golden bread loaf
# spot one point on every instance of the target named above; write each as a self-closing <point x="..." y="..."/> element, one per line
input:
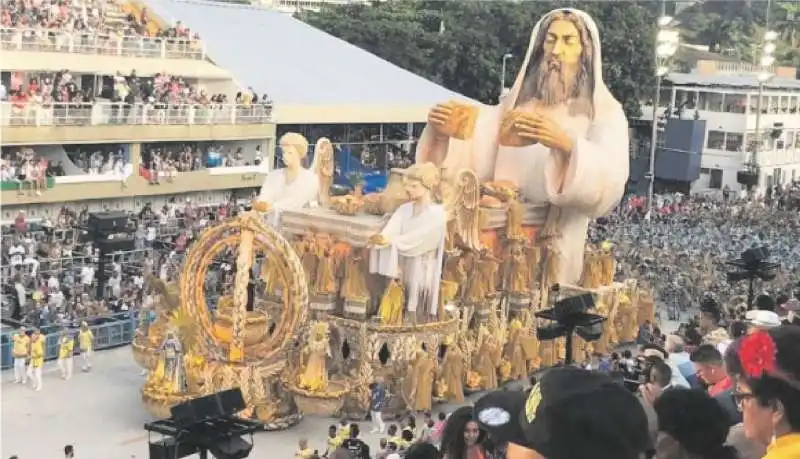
<point x="461" y="123"/>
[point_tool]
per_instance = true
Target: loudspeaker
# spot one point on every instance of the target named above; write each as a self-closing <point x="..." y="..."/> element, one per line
<point x="231" y="448"/>
<point x="168" y="448"/>
<point x="573" y="306"/>
<point x="591" y="332"/>
<point x="118" y="244"/>
<point x="107" y="222"/>
<point x="753" y="256"/>
<point x="231" y="401"/>
<point x="220" y="404"/>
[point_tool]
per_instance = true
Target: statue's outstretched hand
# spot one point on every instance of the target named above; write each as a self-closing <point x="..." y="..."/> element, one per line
<point x="453" y="119"/>
<point x="438" y="118"/>
<point x="542" y="129"/>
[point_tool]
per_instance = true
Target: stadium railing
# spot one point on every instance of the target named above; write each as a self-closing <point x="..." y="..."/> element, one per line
<point x="62" y="41"/>
<point x="109" y="113"/>
<point x="109" y="331"/>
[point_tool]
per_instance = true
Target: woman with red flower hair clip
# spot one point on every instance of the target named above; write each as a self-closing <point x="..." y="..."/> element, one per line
<point x="766" y="368"/>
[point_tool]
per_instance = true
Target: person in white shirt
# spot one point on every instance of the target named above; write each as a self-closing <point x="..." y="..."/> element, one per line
<point x="32" y="263"/>
<point x="115" y="284"/>
<point x="87" y="276"/>
<point x="16" y="254"/>
<point x="21" y="294"/>
<point x="151" y="235"/>
<point x="52" y="283"/>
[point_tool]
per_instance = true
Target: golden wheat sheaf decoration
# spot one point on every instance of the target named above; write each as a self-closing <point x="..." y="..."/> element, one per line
<point x="247" y="233"/>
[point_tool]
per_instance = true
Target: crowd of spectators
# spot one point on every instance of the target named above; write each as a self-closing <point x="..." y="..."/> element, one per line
<point x="165" y="161"/>
<point x="160" y="99"/>
<point x="100" y="26"/>
<point x="50" y="267"/>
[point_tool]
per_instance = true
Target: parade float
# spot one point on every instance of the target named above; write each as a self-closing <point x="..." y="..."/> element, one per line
<point x="432" y="284"/>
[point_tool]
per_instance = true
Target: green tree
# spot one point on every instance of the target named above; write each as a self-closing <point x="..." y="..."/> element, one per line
<point x="461" y="44"/>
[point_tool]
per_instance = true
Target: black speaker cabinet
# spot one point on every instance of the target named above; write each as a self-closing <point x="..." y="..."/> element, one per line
<point x="107" y="222"/>
<point x="747" y="178"/>
<point x="168" y="448"/>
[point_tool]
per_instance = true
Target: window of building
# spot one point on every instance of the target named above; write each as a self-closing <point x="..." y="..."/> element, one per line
<point x="686" y="99"/>
<point x="714" y="101"/>
<point x="715" y="179"/>
<point x="793" y="103"/>
<point x="734" y="141"/>
<point x="664" y="97"/>
<point x="716" y="140"/>
<point x="784" y="104"/>
<point x="735" y="103"/>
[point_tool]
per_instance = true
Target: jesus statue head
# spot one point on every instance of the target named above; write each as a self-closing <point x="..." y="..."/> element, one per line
<point x="560" y="68"/>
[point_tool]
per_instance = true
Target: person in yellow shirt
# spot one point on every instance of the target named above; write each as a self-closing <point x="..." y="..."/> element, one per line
<point x="36" y="359"/>
<point x="21" y="344"/>
<point x="86" y="343"/>
<point x="303" y="451"/>
<point x="333" y="441"/>
<point x="66" y="347"/>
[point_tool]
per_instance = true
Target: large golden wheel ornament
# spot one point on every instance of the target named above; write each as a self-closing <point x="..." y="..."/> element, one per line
<point x="249" y="235"/>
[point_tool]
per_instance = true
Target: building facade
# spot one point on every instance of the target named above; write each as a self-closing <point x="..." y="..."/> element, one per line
<point x="725" y="96"/>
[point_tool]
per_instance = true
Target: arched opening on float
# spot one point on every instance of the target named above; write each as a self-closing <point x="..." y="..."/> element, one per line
<point x="384" y="355"/>
<point x="345" y="350"/>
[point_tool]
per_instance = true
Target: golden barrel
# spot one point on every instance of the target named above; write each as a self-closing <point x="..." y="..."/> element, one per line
<point x="256" y="327"/>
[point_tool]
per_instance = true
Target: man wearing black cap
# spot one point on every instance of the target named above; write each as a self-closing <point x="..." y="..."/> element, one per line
<point x="570" y="414"/>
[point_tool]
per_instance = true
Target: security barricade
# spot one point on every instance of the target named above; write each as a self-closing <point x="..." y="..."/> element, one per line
<point x="115" y="332"/>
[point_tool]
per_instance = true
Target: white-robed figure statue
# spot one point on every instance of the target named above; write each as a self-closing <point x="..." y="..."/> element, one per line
<point x="289" y="187"/>
<point x="411" y="245"/>
<point x="559" y="134"/>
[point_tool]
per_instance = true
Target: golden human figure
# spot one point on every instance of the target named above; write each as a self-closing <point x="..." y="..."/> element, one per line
<point x="418" y="387"/>
<point x="325" y="280"/>
<point x="533" y="255"/>
<point x="317" y="350"/>
<point x="520" y="282"/>
<point x="487" y="360"/>
<point x="354" y="286"/>
<point x="453" y="372"/>
<point x="514" y="352"/>
<point x="391" y="308"/>
<point x="309" y="258"/>
<point x="514" y="221"/>
<point x="270" y="274"/>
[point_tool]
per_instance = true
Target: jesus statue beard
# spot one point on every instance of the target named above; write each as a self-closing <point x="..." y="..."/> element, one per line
<point x="556" y="82"/>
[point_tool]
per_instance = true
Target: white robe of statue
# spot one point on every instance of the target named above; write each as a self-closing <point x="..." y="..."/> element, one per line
<point x="282" y="194"/>
<point x="414" y="253"/>
<point x="596" y="173"/>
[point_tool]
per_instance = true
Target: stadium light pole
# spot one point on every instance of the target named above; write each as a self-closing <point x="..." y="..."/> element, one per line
<point x="666" y="46"/>
<point x="506" y="57"/>
<point x="765" y="74"/>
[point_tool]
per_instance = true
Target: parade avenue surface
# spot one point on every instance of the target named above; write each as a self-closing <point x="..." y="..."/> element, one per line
<point x="101" y="414"/>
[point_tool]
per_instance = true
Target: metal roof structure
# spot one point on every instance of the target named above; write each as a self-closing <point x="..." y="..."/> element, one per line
<point x="297" y="64"/>
<point x="734" y="81"/>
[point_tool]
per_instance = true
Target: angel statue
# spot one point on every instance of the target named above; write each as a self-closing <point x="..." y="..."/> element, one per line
<point x="411" y="245"/>
<point x="292" y="186"/>
<point x="317" y="351"/>
<point x="324" y="168"/>
<point x="460" y="199"/>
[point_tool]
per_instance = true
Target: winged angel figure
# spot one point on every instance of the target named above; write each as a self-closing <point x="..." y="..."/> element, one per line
<point x="461" y="198"/>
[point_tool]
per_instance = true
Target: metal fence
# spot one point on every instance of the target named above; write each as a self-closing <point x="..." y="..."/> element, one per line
<point x="107" y="335"/>
<point x="108" y="113"/>
<point x="63" y="41"/>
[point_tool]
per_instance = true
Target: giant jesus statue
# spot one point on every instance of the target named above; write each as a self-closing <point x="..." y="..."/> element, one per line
<point x="559" y="134"/>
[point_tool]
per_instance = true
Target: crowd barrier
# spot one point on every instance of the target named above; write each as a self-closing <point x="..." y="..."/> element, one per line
<point x="109" y="113"/>
<point x="110" y="334"/>
<point x="62" y="41"/>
